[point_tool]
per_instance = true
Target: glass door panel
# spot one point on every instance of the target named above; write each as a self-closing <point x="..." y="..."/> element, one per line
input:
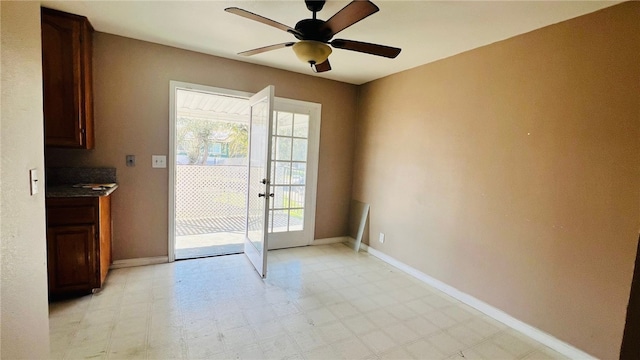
<point x="290" y="138"/>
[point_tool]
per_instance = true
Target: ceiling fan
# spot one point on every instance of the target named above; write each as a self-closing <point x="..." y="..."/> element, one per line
<point x="315" y="35"/>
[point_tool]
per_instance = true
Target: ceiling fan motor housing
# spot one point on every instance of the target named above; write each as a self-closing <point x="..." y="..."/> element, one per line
<point x="313" y="29"/>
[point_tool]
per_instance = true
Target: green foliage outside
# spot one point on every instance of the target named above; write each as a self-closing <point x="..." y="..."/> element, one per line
<point x="195" y="137"/>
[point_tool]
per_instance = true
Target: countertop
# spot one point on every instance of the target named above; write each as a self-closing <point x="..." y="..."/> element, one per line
<point x="57" y="191"/>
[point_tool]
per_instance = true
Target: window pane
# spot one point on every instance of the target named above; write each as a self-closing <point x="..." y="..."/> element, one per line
<point x="298" y="173"/>
<point x="281" y="197"/>
<point x="274" y="122"/>
<point x="285" y="123"/>
<point x="300" y="149"/>
<point x="296" y="219"/>
<point x="270" y="221"/>
<point x="273" y="172"/>
<point x="301" y="126"/>
<point x="280" y="220"/>
<point x="273" y="148"/>
<point x="283" y="173"/>
<point x="283" y="148"/>
<point x="296" y="198"/>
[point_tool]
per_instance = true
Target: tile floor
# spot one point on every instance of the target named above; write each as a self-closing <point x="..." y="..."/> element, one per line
<point x="318" y="302"/>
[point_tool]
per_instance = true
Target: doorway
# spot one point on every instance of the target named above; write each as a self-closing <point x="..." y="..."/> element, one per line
<point x="208" y="171"/>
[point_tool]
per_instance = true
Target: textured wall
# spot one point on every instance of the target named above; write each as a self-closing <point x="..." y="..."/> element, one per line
<point x="131" y="84"/>
<point x="24" y="315"/>
<point x="511" y="172"/>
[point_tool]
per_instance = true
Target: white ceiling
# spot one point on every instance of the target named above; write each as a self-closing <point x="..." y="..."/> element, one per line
<point x="425" y="30"/>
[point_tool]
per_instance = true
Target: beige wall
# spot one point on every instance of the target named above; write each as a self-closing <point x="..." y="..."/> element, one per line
<point x="23" y="301"/>
<point x="131" y="83"/>
<point x="511" y="172"/>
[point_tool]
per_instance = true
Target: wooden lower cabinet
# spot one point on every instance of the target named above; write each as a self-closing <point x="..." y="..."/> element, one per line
<point x="78" y="244"/>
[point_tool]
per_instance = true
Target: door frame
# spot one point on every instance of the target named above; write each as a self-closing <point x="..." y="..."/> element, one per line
<point x="280" y="104"/>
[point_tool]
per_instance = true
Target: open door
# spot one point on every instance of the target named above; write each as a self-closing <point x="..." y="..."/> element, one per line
<point x="256" y="240"/>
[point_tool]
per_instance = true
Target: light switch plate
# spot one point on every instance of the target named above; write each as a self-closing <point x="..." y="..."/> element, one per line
<point x="33" y="179"/>
<point x="159" y="161"/>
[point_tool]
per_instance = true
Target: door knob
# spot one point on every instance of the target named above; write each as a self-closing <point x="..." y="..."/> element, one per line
<point x="260" y="194"/>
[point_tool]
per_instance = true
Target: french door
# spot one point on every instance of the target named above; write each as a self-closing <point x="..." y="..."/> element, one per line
<point x="293" y="134"/>
<point x="294" y="158"/>
<point x="256" y="243"/>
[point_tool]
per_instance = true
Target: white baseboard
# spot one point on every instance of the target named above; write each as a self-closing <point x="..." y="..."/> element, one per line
<point x="326" y="241"/>
<point x="528" y="330"/>
<point x="118" y="264"/>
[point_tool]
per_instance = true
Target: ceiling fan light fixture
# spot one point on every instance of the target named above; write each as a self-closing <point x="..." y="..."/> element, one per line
<point x="312" y="52"/>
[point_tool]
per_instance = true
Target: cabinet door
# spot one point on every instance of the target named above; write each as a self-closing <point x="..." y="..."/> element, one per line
<point x="72" y="258"/>
<point x="65" y="72"/>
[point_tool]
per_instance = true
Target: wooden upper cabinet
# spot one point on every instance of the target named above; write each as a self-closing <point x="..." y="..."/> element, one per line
<point x="67" y="79"/>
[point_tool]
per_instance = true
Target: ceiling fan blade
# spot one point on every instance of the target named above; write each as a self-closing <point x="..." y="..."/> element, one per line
<point x="322" y="67"/>
<point x="363" y="47"/>
<point x="349" y="15"/>
<point x="265" y="48"/>
<point x="261" y="19"/>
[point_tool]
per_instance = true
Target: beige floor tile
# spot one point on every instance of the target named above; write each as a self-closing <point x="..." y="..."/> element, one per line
<point x="422" y="326"/>
<point x="446" y="343"/>
<point x="465" y="334"/>
<point x="344" y="309"/>
<point x="399" y="353"/>
<point x="352" y="348"/>
<point x="127" y="348"/>
<point x="97" y="350"/>
<point x="423" y="349"/>
<point x="489" y="350"/>
<point x="359" y="324"/>
<point x="168" y="350"/>
<point x="205" y="348"/>
<point x="320" y="302"/>
<point x="279" y="347"/>
<point x="378" y="341"/>
<point x="334" y="332"/>
<point x="401" y="333"/>
<point x="320" y="353"/>
<point x="249" y="352"/>
<point x="513" y="343"/>
<point x="236" y="338"/>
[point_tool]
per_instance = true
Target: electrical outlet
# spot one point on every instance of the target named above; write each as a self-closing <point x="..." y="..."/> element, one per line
<point x="131" y="160"/>
<point x="158" y="161"/>
<point x="381" y="238"/>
